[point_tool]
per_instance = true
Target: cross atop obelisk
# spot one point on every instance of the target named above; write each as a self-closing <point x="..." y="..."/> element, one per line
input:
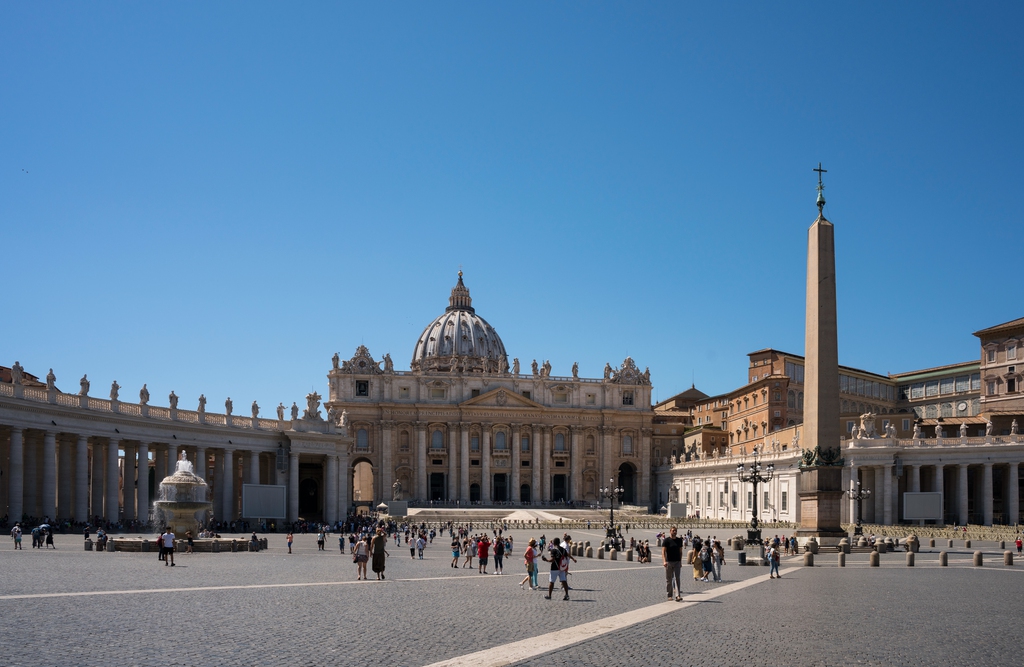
<point x="821" y="189"/>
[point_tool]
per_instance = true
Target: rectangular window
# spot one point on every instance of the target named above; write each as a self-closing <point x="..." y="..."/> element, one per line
<point x="687" y="497"/>
<point x="764" y="507"/>
<point x="1011" y="386"/>
<point x="990" y="388"/>
<point x="750" y="499"/>
<point x="362" y="388"/>
<point x="1011" y="351"/>
<point x="991" y="355"/>
<point x="525" y="444"/>
<point x="473" y="393"/>
<point x="627" y="397"/>
<point x="721" y="498"/>
<point x="946" y="386"/>
<point x="474" y="443"/>
<point x="976" y="382"/>
<point x="561" y="397"/>
<point x="559" y="464"/>
<point x="785" y="501"/>
<point x="778" y="413"/>
<point x="526" y="464"/>
<point x="917" y="390"/>
<point x="734" y="500"/>
<point x="403" y="392"/>
<point x="931" y="388"/>
<point x="526" y="394"/>
<point x="906" y="424"/>
<point x="709" y="500"/>
<point x="591" y="399"/>
<point x="474" y="462"/>
<point x="904" y="392"/>
<point x="437" y="392"/>
<point x="963" y="383"/>
<point x="844" y="384"/>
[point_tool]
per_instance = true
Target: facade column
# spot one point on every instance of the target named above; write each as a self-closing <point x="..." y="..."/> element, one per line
<point x="65" y="502"/>
<point x="293" y="487"/>
<point x="254" y="467"/>
<point x="200" y="464"/>
<point x="16" y="479"/>
<point x="230" y="471"/>
<point x="344" y="475"/>
<point x="142" y="488"/>
<point x="986" y="494"/>
<point x="172" y="458"/>
<point x="878" y="494"/>
<point x="1012" y="502"/>
<point x="546" y="463"/>
<point x="607" y="437"/>
<point x="421" y="461"/>
<point x="961" y="492"/>
<point x="575" y="470"/>
<point x="387" y="466"/>
<point x="485" y="464"/>
<point x="111" y="508"/>
<point x="887" y="495"/>
<point x="98" y="457"/>
<point x="31" y="488"/>
<point x="82" y="479"/>
<point x="938" y="486"/>
<point x="517" y="455"/>
<point x="331" y="499"/>
<point x="453" y="461"/>
<point x="464" y="471"/>
<point x="645" y="467"/>
<point x="49" y="506"/>
<point x="217" y="489"/>
<point x="536" y="457"/>
<point x="128" y="486"/>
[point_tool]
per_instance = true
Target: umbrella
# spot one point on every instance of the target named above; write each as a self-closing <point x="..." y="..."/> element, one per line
<point x="44" y="525"/>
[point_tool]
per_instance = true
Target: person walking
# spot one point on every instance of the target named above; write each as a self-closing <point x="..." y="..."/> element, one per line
<point x="499" y="555"/>
<point x="360" y="556"/>
<point x="717" y="559"/>
<point x="693" y="558"/>
<point x="559" y="568"/>
<point x="190" y="542"/>
<point x="468" y="548"/>
<point x="456" y="551"/>
<point x="421" y="544"/>
<point x="1020" y="543"/>
<point x="168" y="540"/>
<point x="16" y="536"/>
<point x="530" y="558"/>
<point x="321" y="540"/>
<point x="672" y="560"/>
<point x="378" y="553"/>
<point x="773" y="561"/>
<point x="289" y="539"/>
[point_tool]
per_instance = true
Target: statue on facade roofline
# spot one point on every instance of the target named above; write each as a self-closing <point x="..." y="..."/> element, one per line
<point x="917" y="431"/>
<point x="16" y="373"/>
<point x="607" y="371"/>
<point x="1013" y="427"/>
<point x="280" y="412"/>
<point x="988" y="427"/>
<point x="389" y="366"/>
<point x="963" y="429"/>
<point x="228" y="406"/>
<point x="575" y="370"/>
<point x="114" y="388"/>
<point x="344" y="422"/>
<point x="335" y="360"/>
<point x="144" y="395"/>
<point x="546" y="369"/>
<point x="173" y="400"/>
<point x="938" y="432"/>
<point x="202" y="403"/>
<point x="51" y="381"/>
<point x="295" y="411"/>
<point x="255" y="410"/>
<point x="515" y="366"/>
<point x="84" y="384"/>
<point x="534" y="367"/>
<point x="647" y="374"/>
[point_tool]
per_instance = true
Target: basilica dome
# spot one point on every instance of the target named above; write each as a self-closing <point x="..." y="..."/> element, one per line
<point x="459" y="340"/>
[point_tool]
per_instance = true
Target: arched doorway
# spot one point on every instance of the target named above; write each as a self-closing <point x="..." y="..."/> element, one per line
<point x="500" y="487"/>
<point x="474" y="493"/>
<point x="362" y="483"/>
<point x="558" y="488"/>
<point x="437" y="486"/>
<point x="627" y="482"/>
<point x="309" y="498"/>
<point x="524" y="493"/>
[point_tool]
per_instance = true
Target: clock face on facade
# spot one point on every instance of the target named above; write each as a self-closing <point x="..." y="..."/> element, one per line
<point x="962" y="406"/>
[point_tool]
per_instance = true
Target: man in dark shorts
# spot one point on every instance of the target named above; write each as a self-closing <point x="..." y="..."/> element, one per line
<point x="672" y="560"/>
<point x="482" y="549"/>
<point x="559" y="567"/>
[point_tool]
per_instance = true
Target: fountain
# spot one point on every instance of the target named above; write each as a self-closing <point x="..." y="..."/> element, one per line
<point x="182" y="495"/>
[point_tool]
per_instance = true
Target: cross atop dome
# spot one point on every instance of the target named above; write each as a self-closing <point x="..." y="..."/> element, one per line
<point x="460" y="299"/>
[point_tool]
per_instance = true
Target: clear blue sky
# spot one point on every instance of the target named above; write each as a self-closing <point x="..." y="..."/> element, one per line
<point x="219" y="196"/>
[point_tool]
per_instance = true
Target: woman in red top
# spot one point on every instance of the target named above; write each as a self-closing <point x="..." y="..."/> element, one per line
<point x="531" y="567"/>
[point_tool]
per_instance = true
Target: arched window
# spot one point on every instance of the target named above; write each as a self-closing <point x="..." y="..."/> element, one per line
<point x="403" y="441"/>
<point x="800" y="401"/>
<point x="437" y="440"/>
<point x="559" y="442"/>
<point x="590" y="444"/>
<point x="791" y="401"/>
<point x="362" y="439"/>
<point x="627" y="444"/>
<point x="499" y="440"/>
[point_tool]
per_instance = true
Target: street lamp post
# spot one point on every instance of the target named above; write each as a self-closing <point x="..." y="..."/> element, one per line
<point x="752" y="474"/>
<point x="858" y="495"/>
<point x="612" y="493"/>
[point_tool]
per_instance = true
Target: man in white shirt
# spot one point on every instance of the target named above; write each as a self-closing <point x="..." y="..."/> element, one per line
<point x="168" y="544"/>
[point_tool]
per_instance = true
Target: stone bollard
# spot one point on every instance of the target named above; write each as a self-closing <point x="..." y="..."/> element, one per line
<point x="842" y="559"/>
<point x="931" y="543"/>
<point x="88" y="545"/>
<point x="613" y="554"/>
<point x="1008" y="558"/>
<point x="587" y="543"/>
<point x="737" y="544"/>
<point x="910" y="559"/>
<point x="943" y="558"/>
<point x="234" y="546"/>
<point x="862" y="542"/>
<point x="146" y="546"/>
<point x="844" y="545"/>
<point x="978" y="560"/>
<point x="600" y="554"/>
<point x="949" y="544"/>
<point x="629" y="555"/>
<point x="110" y="546"/>
<point x="264" y="544"/>
<point x="590" y="552"/>
<point x="216" y="547"/>
<point x="889" y="544"/>
<point x="811" y="546"/>
<point x="809" y="559"/>
<point x="1002" y="544"/>
<point x="967" y="544"/>
<point x="729" y="543"/>
<point x="180" y="546"/>
<point x="873" y="559"/>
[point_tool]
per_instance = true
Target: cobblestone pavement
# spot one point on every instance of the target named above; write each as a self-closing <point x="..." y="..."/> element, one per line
<point x="307" y="609"/>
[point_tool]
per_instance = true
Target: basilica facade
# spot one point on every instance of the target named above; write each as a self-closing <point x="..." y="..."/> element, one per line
<point x="465" y="425"/>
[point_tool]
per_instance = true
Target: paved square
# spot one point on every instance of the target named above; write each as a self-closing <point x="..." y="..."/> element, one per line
<point x="71" y="607"/>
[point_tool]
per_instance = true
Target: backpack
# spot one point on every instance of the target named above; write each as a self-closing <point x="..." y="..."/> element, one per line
<point x="704" y="553"/>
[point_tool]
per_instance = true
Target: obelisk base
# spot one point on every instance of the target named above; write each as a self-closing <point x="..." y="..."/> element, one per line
<point x="821" y="499"/>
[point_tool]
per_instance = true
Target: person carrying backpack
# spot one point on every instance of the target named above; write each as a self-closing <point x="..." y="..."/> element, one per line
<point x="559" y="567"/>
<point x="773" y="561"/>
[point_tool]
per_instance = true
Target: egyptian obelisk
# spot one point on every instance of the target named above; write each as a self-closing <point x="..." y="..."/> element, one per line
<point x="821" y="467"/>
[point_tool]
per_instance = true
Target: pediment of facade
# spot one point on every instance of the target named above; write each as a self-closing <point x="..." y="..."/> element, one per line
<point x="501" y="398"/>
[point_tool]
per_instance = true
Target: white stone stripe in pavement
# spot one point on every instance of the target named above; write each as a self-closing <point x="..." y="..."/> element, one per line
<point x="524" y="649"/>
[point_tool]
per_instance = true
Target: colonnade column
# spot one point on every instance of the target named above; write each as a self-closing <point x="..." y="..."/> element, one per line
<point x="485" y="464"/>
<point x="200" y="463"/>
<point x="97" y="479"/>
<point x="128" y="486"/>
<point x="159" y="462"/>
<point x="517" y="449"/>
<point x="453" y="462"/>
<point x="986" y="494"/>
<point x="30" y="489"/>
<point x="938" y="486"/>
<point x="15" y="481"/>
<point x="536" y="456"/>
<point x="546" y="462"/>
<point x="575" y="460"/>
<point x="217" y="490"/>
<point x="854" y="478"/>
<point x="229" y="485"/>
<point x="254" y="467"/>
<point x="387" y="467"/>
<point x="331" y="499"/>
<point x="111" y="507"/>
<point x="65" y="502"/>
<point x="914" y="483"/>
<point x="82" y="478"/>
<point x="172" y="458"/>
<point x="293" y="487"/>
<point x="142" y="491"/>
<point x="49" y="506"/>
<point x="464" y="472"/>
<point x="877" y="493"/>
<point x="887" y="495"/>
<point x="421" y="461"/>
<point x="1012" y="495"/>
<point x="961" y="492"/>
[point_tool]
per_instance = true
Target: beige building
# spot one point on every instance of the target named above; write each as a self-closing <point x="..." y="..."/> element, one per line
<point x="464" y="426"/>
